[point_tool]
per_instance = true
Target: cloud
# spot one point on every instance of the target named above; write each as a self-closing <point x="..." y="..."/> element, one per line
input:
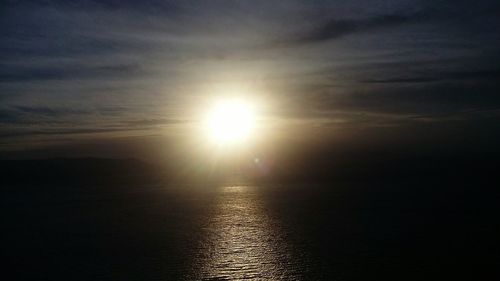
<point x="21" y="114"/>
<point x="22" y="121"/>
<point x="461" y="114"/>
<point x="9" y="117"/>
<point x="338" y="28"/>
<point x="63" y="73"/>
<point x="61" y="131"/>
<point x="50" y="112"/>
<point x="154" y="122"/>
<point x="457" y="75"/>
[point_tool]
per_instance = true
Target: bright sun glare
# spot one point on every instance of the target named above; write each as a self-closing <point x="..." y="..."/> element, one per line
<point x="230" y="121"/>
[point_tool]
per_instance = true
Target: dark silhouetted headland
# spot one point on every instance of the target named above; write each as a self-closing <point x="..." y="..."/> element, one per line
<point x="76" y="172"/>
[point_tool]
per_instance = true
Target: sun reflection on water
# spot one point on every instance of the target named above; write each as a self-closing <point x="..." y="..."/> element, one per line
<point x="242" y="241"/>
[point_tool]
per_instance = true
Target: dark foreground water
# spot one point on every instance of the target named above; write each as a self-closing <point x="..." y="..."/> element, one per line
<point x="276" y="232"/>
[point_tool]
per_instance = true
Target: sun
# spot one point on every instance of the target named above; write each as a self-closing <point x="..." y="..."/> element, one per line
<point x="230" y="121"/>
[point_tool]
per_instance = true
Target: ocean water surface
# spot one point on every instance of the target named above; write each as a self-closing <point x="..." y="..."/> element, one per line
<point x="248" y="232"/>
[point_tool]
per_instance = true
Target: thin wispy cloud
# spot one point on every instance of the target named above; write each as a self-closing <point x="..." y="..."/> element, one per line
<point x="338" y="28"/>
<point x="459" y="75"/>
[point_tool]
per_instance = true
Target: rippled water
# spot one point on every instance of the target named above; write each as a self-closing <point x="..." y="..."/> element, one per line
<point x="309" y="232"/>
<point x="242" y="241"/>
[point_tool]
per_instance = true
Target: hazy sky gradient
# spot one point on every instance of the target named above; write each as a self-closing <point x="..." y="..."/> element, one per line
<point x="88" y="69"/>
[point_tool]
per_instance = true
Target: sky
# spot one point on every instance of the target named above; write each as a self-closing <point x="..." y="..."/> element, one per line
<point x="117" y="72"/>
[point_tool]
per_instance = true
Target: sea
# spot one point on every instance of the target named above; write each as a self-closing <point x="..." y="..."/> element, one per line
<point x="288" y="231"/>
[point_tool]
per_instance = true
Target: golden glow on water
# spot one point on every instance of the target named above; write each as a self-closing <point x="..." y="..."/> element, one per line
<point x="244" y="242"/>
